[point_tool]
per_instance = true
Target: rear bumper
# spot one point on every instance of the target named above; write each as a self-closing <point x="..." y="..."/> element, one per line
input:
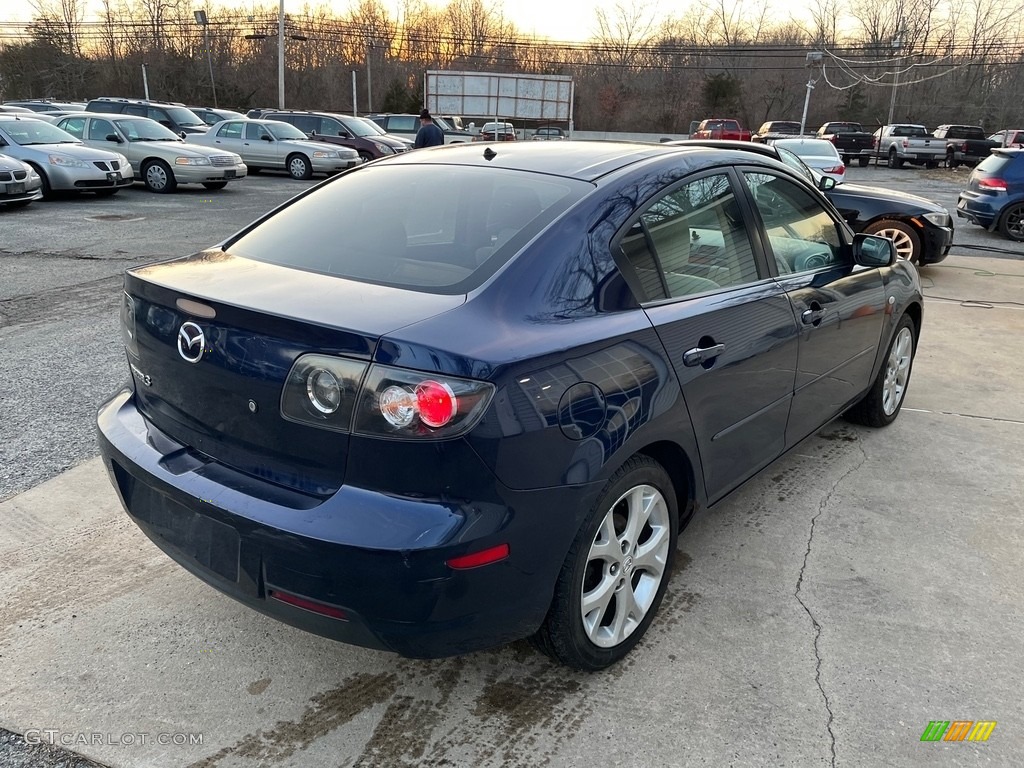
<point x="378" y="558"/>
<point x="979" y="209"/>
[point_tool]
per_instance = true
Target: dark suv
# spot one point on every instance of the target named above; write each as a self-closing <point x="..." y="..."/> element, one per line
<point x="177" y="117"/>
<point x="341" y="129"/>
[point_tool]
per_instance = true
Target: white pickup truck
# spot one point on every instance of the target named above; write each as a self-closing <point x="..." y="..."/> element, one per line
<point x="901" y="143"/>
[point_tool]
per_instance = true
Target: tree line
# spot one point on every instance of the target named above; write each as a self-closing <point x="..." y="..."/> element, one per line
<point x="931" y="61"/>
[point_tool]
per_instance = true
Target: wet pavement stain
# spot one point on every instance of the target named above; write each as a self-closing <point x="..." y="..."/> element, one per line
<point x="405" y="731"/>
<point x="326" y="712"/>
<point x="255" y="689"/>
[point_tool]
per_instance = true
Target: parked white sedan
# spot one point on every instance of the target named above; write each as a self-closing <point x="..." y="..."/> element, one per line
<point x="818" y="154"/>
<point x="158" y="157"/>
<point x="278" y="145"/>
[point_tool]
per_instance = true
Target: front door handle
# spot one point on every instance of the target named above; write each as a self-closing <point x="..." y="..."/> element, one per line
<point x="700" y="355"/>
<point x="812" y="315"/>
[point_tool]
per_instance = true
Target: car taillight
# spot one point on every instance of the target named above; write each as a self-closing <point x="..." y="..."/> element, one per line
<point x="838" y="170"/>
<point x="996" y="185"/>
<point x="834" y="138"/>
<point x="347" y="395"/>
<point x="410" y="405"/>
<point x="321" y="390"/>
<point x="906" y="143"/>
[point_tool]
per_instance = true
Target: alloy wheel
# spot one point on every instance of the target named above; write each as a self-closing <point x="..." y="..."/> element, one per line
<point x="897" y="371"/>
<point x="625" y="566"/>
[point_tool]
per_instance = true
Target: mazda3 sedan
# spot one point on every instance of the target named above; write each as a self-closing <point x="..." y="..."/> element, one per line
<point x="439" y="427"/>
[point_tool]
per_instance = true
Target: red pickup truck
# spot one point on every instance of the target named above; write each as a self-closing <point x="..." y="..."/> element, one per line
<point x="721" y="128"/>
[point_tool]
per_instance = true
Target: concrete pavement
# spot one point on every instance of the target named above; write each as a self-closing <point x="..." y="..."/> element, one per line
<point x="864" y="585"/>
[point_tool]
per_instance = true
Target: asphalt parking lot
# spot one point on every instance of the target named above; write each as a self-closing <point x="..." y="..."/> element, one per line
<point x="863" y="586"/>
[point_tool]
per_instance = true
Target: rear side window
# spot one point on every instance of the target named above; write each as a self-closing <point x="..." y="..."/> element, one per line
<point x="75" y="126"/>
<point x="230" y="131"/>
<point x="388" y="225"/>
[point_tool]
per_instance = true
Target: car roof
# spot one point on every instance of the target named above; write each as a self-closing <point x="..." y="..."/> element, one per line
<point x="583" y="160"/>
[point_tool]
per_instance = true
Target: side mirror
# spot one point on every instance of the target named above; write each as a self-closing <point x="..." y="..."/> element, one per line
<point x="182" y="134"/>
<point x="312" y="134"/>
<point x="345" y="134"/>
<point x="873" y="251"/>
<point x="114" y="138"/>
<point x="266" y="137"/>
<point x="825" y="183"/>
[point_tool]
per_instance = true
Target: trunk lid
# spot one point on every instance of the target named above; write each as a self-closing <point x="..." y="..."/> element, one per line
<point x="248" y="323"/>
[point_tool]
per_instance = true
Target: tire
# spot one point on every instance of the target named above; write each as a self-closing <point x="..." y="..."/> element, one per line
<point x="158" y="177"/>
<point x="1011" y="222"/>
<point x="863" y="161"/>
<point x="881" y="405"/>
<point x="215" y="184"/>
<point x="931" y="164"/>
<point x="625" y="547"/>
<point x="47" y="189"/>
<point x="298" y="167"/>
<point x="903" y="236"/>
<point x="366" y="156"/>
<point x="894" y="160"/>
<point x="951" y="161"/>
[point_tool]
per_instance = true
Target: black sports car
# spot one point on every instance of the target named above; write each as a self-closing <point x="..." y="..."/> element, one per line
<point x="921" y="230"/>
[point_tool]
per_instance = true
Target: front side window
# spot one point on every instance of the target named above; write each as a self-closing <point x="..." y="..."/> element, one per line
<point x="256" y="131"/>
<point x="691" y="240"/>
<point x="801" y="233"/>
<point x="100" y="129"/>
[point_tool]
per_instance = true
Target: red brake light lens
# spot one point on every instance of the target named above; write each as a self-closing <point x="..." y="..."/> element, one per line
<point x="839" y="170"/>
<point x="996" y="185"/>
<point x="436" y="402"/>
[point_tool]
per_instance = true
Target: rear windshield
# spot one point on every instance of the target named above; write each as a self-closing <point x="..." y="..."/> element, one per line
<point x="435" y="228"/>
<point x="909" y="130"/>
<point x="993" y="164"/>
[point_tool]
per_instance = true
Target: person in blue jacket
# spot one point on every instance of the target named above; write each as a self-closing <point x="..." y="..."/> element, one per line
<point x="429" y="135"/>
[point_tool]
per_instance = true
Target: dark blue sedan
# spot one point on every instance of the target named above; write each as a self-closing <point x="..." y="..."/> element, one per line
<point x="436" y="423"/>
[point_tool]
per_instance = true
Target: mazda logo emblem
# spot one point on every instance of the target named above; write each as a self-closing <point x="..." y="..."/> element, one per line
<point x="191" y="342"/>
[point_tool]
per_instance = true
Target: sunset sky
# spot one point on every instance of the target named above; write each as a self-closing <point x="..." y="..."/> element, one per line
<point x="564" y="20"/>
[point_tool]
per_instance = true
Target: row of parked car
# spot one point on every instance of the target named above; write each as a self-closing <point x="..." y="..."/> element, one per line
<point x="109" y="144"/>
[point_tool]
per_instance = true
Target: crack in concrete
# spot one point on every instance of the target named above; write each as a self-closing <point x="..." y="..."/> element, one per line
<point x="816" y="624"/>
<point x="965" y="415"/>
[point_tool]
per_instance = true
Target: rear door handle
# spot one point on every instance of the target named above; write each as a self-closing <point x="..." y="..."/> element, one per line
<point x="700" y="355"/>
